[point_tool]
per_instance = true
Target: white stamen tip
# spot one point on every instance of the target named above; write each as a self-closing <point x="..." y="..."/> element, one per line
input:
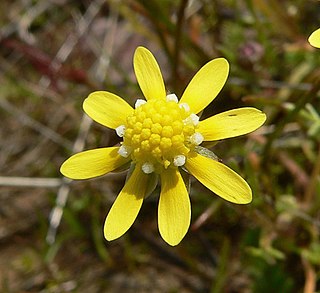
<point x="196" y="138"/>
<point x="147" y="168"/>
<point x="184" y="106"/>
<point x="124" y="151"/>
<point x="139" y="102"/>
<point x="120" y="130"/>
<point x="193" y="119"/>
<point x="172" y="97"/>
<point x="179" y="160"/>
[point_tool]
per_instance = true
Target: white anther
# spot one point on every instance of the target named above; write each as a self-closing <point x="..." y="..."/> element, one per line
<point x="139" y="103"/>
<point x="124" y="151"/>
<point x="184" y="106"/>
<point x="193" y="119"/>
<point x="179" y="160"/>
<point x="172" y="97"/>
<point x="196" y="138"/>
<point x="120" y="130"/>
<point x="147" y="168"/>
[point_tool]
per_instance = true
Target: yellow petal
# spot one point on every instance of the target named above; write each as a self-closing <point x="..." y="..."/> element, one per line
<point x="107" y="109"/>
<point x="231" y="123"/>
<point x="148" y="74"/>
<point x="126" y="206"/>
<point x="314" y="38"/>
<point x="220" y="179"/>
<point x="174" y="212"/>
<point x="206" y="85"/>
<point x="92" y="163"/>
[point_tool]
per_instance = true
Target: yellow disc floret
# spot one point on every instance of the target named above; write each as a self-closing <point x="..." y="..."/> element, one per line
<point x="159" y="134"/>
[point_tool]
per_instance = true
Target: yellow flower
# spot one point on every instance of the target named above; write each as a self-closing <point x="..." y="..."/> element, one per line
<point x="161" y="135"/>
<point x="314" y="38"/>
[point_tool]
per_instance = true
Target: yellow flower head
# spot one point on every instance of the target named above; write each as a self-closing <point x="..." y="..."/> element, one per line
<point x="161" y="135"/>
<point x="314" y="38"/>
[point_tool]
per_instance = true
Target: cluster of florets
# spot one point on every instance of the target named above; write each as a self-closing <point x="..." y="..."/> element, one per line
<point x="159" y="134"/>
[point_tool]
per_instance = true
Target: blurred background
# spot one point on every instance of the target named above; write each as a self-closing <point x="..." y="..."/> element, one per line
<point x="54" y="53"/>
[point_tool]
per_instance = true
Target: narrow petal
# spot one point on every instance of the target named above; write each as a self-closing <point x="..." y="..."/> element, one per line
<point x="220" y="179"/>
<point x="231" y="123"/>
<point x="148" y="74"/>
<point x="206" y="85"/>
<point x="127" y="205"/>
<point x="314" y="38"/>
<point x="107" y="109"/>
<point x="174" y="212"/>
<point x="93" y="163"/>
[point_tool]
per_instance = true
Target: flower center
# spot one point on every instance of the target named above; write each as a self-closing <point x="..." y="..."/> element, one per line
<point x="159" y="134"/>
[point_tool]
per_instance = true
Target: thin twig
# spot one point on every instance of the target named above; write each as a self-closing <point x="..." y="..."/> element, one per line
<point x="298" y="173"/>
<point x="311" y="187"/>
<point x="71" y="41"/>
<point x="271" y="84"/>
<point x="103" y="62"/>
<point x="30" y="182"/>
<point x="310" y="276"/>
<point x="64" y="190"/>
<point x="34" y="124"/>
<point x="27" y="19"/>
<point x="177" y="47"/>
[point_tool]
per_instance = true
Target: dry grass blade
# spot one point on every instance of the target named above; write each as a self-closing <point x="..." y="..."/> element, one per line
<point x="65" y="50"/>
<point x="30" y="182"/>
<point x="37" y="126"/>
<point x="63" y="192"/>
